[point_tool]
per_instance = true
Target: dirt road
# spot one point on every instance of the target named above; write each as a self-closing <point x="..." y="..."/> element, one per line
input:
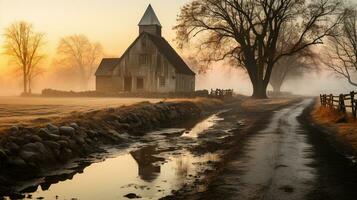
<point x="288" y="159"/>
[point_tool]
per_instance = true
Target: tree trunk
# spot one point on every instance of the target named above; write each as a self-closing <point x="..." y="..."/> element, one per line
<point x="25" y="83"/>
<point x="29" y="86"/>
<point x="259" y="89"/>
<point x="257" y="79"/>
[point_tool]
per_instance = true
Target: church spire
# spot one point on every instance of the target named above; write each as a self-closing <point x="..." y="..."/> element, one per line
<point x="149" y="22"/>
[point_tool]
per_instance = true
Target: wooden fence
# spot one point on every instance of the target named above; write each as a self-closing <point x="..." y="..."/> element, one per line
<point x="340" y="102"/>
<point x="220" y="93"/>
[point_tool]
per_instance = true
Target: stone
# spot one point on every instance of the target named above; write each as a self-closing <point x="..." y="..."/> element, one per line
<point x="88" y="140"/>
<point x="63" y="143"/>
<point x="132" y="196"/>
<point x="17" y="140"/>
<point x="52" y="144"/>
<point x="47" y="134"/>
<point x="16" y="161"/>
<point x="79" y="139"/>
<point x="52" y="127"/>
<point x="13" y="147"/>
<point x="34" y="138"/>
<point x="72" y="144"/>
<point x="67" y="130"/>
<point x="35" y="147"/>
<point x="29" y="156"/>
<point x="3" y="154"/>
<point x="14" y="129"/>
<point x="44" y="132"/>
<point x="125" y="126"/>
<point x="114" y="133"/>
<point x="74" y="125"/>
<point x="16" y="195"/>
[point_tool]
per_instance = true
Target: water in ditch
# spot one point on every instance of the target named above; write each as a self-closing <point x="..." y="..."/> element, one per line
<point x="150" y="170"/>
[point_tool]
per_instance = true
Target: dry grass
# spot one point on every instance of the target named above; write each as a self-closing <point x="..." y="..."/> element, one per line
<point x="344" y="125"/>
<point x="37" y="111"/>
<point x="199" y="101"/>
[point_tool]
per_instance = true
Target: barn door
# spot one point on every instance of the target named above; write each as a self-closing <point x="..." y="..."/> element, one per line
<point x="127" y="84"/>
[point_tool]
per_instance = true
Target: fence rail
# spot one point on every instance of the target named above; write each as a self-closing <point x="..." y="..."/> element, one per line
<point x="220" y="93"/>
<point x="340" y="102"/>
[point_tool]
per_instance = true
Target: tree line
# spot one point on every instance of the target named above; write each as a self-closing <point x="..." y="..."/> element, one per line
<point x="26" y="49"/>
<point x="269" y="38"/>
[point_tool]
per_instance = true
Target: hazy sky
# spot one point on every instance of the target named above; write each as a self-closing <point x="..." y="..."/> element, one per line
<point x="113" y="23"/>
<point x="110" y="22"/>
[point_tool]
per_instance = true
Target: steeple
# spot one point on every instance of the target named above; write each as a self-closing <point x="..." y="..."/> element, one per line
<point x="150" y="23"/>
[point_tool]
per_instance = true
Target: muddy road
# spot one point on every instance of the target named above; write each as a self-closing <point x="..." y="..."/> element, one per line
<point x="287" y="159"/>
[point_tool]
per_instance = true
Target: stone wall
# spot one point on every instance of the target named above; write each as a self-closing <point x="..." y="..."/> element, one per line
<point x="35" y="149"/>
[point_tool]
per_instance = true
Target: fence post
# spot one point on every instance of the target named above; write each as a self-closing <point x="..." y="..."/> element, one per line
<point x="321" y="101"/>
<point x="353" y="106"/>
<point x="342" y="103"/>
<point x="324" y="99"/>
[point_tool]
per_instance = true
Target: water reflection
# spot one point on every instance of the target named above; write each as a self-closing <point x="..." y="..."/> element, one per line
<point x="146" y="160"/>
<point x="141" y="172"/>
<point x="202" y="126"/>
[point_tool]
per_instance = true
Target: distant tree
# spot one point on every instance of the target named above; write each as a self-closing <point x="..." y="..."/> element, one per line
<point x="292" y="67"/>
<point x="288" y="68"/>
<point x="24" y="45"/>
<point x="247" y="31"/>
<point x="79" y="53"/>
<point x="342" y="48"/>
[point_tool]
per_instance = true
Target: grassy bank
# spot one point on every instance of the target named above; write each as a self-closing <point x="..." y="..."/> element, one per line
<point x="343" y="127"/>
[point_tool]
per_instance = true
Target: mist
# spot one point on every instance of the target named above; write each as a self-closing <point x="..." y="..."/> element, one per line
<point x="219" y="76"/>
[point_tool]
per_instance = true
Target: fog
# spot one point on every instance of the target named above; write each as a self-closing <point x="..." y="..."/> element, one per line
<point x="311" y="84"/>
<point x="219" y="76"/>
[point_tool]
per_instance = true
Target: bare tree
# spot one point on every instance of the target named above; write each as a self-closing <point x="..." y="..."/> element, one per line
<point x="79" y="53"/>
<point x="342" y="48"/>
<point x="294" y="66"/>
<point x="247" y="31"/>
<point x="23" y="45"/>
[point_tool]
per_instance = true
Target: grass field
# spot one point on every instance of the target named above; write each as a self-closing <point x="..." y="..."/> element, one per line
<point x="22" y="110"/>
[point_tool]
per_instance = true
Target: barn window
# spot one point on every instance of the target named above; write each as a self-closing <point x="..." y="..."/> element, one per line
<point x="143" y="59"/>
<point x="162" y="81"/>
<point x="140" y="83"/>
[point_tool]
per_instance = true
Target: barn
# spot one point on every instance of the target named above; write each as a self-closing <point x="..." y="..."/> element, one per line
<point x="149" y="64"/>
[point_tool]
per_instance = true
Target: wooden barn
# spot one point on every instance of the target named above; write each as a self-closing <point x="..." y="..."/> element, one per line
<point x="150" y="64"/>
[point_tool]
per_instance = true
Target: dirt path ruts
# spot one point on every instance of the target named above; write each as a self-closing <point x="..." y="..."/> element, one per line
<point x="286" y="159"/>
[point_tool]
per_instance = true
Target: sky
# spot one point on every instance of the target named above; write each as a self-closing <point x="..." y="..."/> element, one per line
<point x="113" y="23"/>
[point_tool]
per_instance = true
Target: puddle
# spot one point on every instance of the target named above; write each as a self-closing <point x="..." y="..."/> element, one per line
<point x="138" y="172"/>
<point x="151" y="169"/>
<point x="203" y="126"/>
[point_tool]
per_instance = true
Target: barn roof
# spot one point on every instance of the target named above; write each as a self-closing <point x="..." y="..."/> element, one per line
<point x="107" y="66"/>
<point x="149" y="18"/>
<point x="170" y="54"/>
